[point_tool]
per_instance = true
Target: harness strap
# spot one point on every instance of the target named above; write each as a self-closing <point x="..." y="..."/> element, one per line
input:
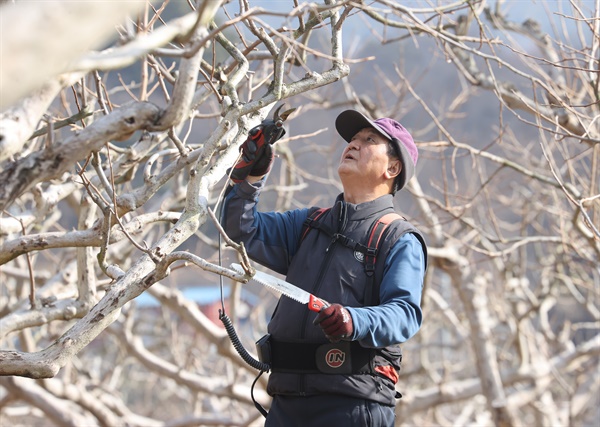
<point x="375" y="235"/>
<point x="311" y="221"/>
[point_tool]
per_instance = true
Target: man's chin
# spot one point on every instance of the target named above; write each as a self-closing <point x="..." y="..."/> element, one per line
<point x="346" y="174"/>
<point x="345" y="166"/>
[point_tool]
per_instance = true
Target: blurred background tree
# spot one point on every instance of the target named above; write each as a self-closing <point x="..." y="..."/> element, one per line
<point x="120" y="119"/>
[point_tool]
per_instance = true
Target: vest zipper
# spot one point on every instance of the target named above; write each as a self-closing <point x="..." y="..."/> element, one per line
<point x="333" y="240"/>
<point x="328" y="255"/>
<point x="315" y="291"/>
<point x="341" y="225"/>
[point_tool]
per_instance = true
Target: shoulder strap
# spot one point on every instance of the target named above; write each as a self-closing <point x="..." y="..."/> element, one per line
<point x="376" y="235"/>
<point x="312" y="222"/>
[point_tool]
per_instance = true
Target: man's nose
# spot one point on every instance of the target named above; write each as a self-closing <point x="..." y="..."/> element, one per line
<point x="353" y="145"/>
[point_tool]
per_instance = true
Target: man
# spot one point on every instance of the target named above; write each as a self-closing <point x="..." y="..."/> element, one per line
<point x="338" y="367"/>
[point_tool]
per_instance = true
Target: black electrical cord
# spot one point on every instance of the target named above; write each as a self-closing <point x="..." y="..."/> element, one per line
<point x="233" y="336"/>
<point x="239" y="347"/>
<point x="257" y="405"/>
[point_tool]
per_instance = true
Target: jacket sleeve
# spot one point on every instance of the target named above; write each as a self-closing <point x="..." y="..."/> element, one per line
<point x="270" y="238"/>
<point x="398" y="316"/>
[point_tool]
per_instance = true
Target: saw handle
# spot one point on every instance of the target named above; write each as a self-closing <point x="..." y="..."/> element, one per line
<point x="317" y="304"/>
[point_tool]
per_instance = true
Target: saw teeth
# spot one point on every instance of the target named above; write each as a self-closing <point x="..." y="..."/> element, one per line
<point x="239" y="270"/>
<point x="276" y="288"/>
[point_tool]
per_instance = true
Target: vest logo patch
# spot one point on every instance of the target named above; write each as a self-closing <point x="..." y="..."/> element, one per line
<point x="359" y="256"/>
<point x="335" y="358"/>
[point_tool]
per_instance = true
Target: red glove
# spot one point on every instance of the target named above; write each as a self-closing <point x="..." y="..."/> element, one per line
<point x="336" y="322"/>
<point x="257" y="151"/>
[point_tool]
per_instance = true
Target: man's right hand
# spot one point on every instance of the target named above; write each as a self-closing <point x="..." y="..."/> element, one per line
<point x="257" y="151"/>
<point x="336" y="322"/>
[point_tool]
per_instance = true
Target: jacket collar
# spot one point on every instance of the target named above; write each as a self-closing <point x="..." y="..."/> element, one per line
<point x="356" y="212"/>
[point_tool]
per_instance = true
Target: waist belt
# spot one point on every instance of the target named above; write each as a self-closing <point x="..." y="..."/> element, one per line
<point x="344" y="357"/>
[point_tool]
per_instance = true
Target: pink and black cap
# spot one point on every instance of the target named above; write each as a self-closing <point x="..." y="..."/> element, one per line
<point x="350" y="122"/>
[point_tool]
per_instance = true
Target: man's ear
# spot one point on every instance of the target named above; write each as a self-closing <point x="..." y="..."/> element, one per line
<point x="394" y="168"/>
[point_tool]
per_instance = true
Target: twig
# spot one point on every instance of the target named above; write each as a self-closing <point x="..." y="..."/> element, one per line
<point x="86" y="112"/>
<point x="244" y="258"/>
<point x="183" y="151"/>
<point x="32" y="299"/>
<point x="99" y="94"/>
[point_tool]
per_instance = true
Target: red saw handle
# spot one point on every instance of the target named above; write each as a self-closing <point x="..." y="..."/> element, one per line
<point x="317" y="304"/>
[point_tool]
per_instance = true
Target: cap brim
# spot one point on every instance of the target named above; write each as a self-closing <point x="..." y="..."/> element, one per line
<point x="350" y="122"/>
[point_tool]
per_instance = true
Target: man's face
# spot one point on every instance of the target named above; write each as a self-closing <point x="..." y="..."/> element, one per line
<point x="365" y="158"/>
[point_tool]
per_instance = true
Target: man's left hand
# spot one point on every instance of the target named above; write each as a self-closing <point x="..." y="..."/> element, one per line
<point x="336" y="322"/>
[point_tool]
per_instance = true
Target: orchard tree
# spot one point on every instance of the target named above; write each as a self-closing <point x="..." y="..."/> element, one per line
<point x="120" y="121"/>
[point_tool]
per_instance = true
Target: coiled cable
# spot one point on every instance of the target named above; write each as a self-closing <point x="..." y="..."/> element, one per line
<point x="229" y="328"/>
<point x="239" y="347"/>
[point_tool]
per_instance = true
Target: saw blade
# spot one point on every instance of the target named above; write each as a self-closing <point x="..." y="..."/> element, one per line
<point x="281" y="286"/>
